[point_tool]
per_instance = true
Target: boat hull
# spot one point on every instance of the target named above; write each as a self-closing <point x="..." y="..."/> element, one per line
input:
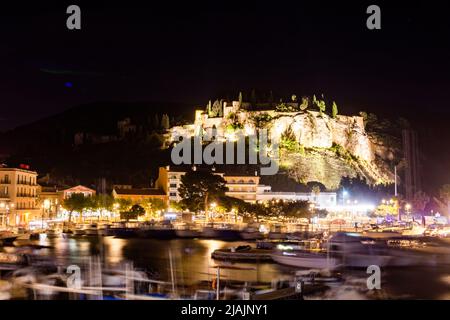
<point x="124" y="232"/>
<point x="222" y="234"/>
<point x="157" y="233"/>
<point x="186" y="233"/>
<point x="79" y="232"/>
<point x="309" y="262"/>
<point x="251" y="235"/>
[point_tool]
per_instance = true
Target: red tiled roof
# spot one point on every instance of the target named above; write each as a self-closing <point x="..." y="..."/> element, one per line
<point x="141" y="192"/>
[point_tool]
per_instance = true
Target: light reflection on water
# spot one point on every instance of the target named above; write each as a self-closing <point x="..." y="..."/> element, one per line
<point x="191" y="258"/>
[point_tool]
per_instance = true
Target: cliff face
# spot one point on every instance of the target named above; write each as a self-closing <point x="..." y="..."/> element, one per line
<point x="314" y="146"/>
<point x="331" y="148"/>
<point x="314" y="131"/>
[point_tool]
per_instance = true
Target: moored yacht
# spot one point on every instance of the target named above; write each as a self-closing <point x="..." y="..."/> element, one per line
<point x="305" y="254"/>
<point x="220" y="231"/>
<point x="185" y="230"/>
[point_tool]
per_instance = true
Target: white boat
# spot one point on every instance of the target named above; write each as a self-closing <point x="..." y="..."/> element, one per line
<point x="79" y="230"/>
<point x="53" y="233"/>
<point x="186" y="230"/>
<point x="305" y="259"/>
<point x="358" y="251"/>
<point x="91" y="229"/>
<point x="305" y="254"/>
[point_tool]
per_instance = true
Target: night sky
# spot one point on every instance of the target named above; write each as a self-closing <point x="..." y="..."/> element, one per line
<point x="191" y="53"/>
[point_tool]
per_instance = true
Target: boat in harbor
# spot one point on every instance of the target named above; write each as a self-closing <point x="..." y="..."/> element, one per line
<point x="11" y="261"/>
<point x="221" y="231"/>
<point x="159" y="231"/>
<point x="251" y="233"/>
<point x="187" y="231"/>
<point x="277" y="232"/>
<point x="305" y="254"/>
<point x="7" y="237"/>
<point x="242" y="253"/>
<point x="91" y="229"/>
<point x="53" y="233"/>
<point x="358" y="251"/>
<point x="123" y="230"/>
<point x="79" y="230"/>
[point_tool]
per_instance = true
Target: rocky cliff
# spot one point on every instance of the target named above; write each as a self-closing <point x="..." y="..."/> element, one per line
<point x="317" y="147"/>
<point x="314" y="146"/>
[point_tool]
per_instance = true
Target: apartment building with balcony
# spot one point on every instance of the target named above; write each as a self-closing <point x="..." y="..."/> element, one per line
<point x="241" y="186"/>
<point x="18" y="196"/>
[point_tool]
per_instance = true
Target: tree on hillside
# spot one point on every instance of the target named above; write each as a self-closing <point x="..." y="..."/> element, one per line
<point x="320" y="104"/>
<point x="334" y="111"/>
<point x="156" y="121"/>
<point x="165" y="122"/>
<point x="199" y="188"/>
<point x="305" y="103"/>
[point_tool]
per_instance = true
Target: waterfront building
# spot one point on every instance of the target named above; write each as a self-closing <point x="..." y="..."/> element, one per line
<point x="240" y="185"/>
<point x="321" y="200"/>
<point x="85" y="191"/>
<point x="140" y="195"/>
<point x="18" y="196"/>
<point x="244" y="186"/>
<point x="50" y="200"/>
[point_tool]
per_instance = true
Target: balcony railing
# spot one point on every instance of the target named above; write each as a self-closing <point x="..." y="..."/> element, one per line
<point x="26" y="195"/>
<point x="27" y="208"/>
<point x="26" y="183"/>
<point x="5" y="181"/>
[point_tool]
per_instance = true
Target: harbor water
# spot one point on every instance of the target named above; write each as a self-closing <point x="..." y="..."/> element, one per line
<point x="191" y="262"/>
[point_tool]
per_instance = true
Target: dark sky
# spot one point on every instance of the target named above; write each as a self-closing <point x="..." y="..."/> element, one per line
<point x="169" y="51"/>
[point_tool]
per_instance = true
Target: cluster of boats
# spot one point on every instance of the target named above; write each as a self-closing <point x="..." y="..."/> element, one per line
<point x="164" y="230"/>
<point x="345" y="250"/>
<point x="356" y="250"/>
<point x="26" y="276"/>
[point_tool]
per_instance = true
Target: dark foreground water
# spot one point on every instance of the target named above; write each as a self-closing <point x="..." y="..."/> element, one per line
<point x="191" y="260"/>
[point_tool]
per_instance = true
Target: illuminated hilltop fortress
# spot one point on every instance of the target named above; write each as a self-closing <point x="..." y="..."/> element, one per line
<point x="314" y="145"/>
